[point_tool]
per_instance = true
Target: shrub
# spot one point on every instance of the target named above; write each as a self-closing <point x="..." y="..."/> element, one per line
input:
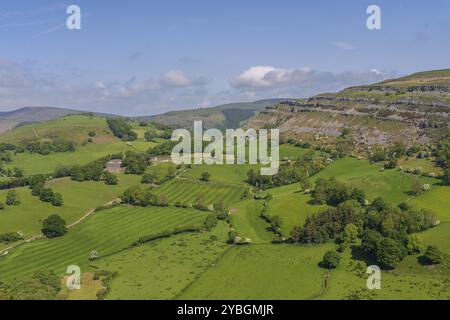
<point x="331" y="259"/>
<point x="12" y="198"/>
<point x="205" y="176"/>
<point x="210" y="222"/>
<point x="433" y="255"/>
<point x="110" y="179"/>
<point x="54" y="226"/>
<point x="389" y="253"/>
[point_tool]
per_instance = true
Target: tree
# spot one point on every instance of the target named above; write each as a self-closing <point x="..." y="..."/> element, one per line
<point x="54" y="226"/>
<point x="350" y="233"/>
<point x="359" y="195"/>
<point x="2" y="206"/>
<point x="389" y="253"/>
<point x="433" y="255"/>
<point x="205" y="176"/>
<point x="276" y="223"/>
<point x="57" y="200"/>
<point x="91" y="133"/>
<point x="12" y="198"/>
<point x="413" y="244"/>
<point x="148" y="178"/>
<point x="416" y="187"/>
<point x="296" y="234"/>
<point x="379" y="204"/>
<point x="17" y="172"/>
<point x="210" y="222"/>
<point x="370" y="240"/>
<point x="150" y="135"/>
<point x="331" y="259"/>
<point x="446" y="177"/>
<point x="110" y="179"/>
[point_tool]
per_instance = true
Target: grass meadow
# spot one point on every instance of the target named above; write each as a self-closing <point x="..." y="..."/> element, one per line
<point x="107" y="232"/>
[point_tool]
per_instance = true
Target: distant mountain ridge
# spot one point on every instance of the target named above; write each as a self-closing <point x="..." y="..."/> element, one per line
<point x="229" y="115"/>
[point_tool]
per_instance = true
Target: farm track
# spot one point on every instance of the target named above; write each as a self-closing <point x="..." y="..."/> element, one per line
<point x="106" y="232"/>
<point x="40" y="235"/>
<point x="323" y="289"/>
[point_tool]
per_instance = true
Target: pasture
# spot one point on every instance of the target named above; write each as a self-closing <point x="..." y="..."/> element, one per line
<point x="410" y="280"/>
<point x="292" y="205"/>
<point x="107" y="232"/>
<point x="393" y="185"/>
<point x="247" y="222"/>
<point x="232" y="174"/>
<point x="264" y="271"/>
<point x="78" y="200"/>
<point x="187" y="191"/>
<point x="163" y="268"/>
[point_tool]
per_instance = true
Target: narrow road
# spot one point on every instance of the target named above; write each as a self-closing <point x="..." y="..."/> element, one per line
<point x="38" y="236"/>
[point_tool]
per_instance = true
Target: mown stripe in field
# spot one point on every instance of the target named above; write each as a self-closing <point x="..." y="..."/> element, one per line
<point x="106" y="232"/>
<point x="188" y="191"/>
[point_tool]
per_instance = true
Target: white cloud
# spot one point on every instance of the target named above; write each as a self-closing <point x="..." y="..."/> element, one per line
<point x="176" y="78"/>
<point x="23" y="85"/>
<point x="260" y="77"/>
<point x="260" y="82"/>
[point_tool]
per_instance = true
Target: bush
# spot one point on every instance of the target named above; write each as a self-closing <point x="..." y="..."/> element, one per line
<point x="148" y="178"/>
<point x="205" y="176"/>
<point x="121" y="129"/>
<point x="54" y="226"/>
<point x="331" y="259"/>
<point x="110" y="179"/>
<point x="433" y="255"/>
<point x="210" y="222"/>
<point x="389" y="253"/>
<point x="12" y="198"/>
<point x="10" y="237"/>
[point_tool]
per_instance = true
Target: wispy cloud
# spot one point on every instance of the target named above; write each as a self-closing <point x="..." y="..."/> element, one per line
<point x="344" y="45"/>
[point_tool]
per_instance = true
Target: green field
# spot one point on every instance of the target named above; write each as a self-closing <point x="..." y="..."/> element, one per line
<point x="163" y="268"/>
<point x="73" y="128"/>
<point x="410" y="280"/>
<point x="234" y="174"/>
<point x="27" y="217"/>
<point x="392" y="185"/>
<point x="292" y="206"/>
<point x="107" y="232"/>
<point x="437" y="200"/>
<point x="262" y="272"/>
<point x="247" y="222"/>
<point x="187" y="191"/>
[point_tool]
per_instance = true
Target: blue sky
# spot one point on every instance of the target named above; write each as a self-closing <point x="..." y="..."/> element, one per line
<point x="145" y="57"/>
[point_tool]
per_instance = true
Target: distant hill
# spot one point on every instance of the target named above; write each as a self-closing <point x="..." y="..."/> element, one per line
<point x="28" y="115"/>
<point x="409" y="109"/>
<point x="230" y="115"/>
<point x="225" y="116"/>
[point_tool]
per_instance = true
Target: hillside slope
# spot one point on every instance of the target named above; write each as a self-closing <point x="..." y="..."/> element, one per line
<point x="27" y="115"/>
<point x="409" y="109"/>
<point x="225" y="116"/>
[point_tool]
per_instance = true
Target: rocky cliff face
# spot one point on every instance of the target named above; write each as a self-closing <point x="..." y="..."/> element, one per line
<point x="407" y="109"/>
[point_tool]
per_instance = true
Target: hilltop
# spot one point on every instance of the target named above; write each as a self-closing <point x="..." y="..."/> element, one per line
<point x="29" y="115"/>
